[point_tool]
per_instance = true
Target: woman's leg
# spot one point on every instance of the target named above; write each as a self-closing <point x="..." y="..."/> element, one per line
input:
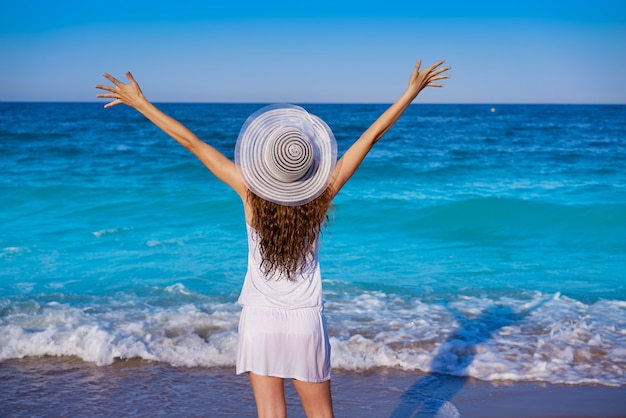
<point x="269" y="394"/>
<point x="316" y="399"/>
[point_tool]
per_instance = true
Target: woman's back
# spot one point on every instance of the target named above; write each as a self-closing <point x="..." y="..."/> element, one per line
<point x="277" y="290"/>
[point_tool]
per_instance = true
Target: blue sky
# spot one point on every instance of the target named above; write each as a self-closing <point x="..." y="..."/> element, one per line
<point x="318" y="51"/>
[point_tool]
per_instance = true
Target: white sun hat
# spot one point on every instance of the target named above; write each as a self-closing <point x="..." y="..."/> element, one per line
<point x="285" y="154"/>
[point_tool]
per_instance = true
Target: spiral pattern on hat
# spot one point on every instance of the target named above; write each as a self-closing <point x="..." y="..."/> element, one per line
<point x="286" y="155"/>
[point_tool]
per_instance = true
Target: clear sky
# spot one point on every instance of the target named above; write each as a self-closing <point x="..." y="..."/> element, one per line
<point x="533" y="51"/>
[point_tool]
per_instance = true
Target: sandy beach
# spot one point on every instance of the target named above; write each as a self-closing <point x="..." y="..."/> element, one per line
<point x="66" y="386"/>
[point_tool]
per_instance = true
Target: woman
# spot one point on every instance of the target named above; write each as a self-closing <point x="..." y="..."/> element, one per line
<point x="286" y="174"/>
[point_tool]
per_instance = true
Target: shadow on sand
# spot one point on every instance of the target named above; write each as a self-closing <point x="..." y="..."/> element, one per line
<point x="429" y="396"/>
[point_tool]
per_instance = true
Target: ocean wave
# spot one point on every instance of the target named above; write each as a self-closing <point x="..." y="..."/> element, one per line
<point x="533" y="337"/>
<point x="184" y="335"/>
<point x="552" y="339"/>
<point x="518" y="218"/>
<point x="14" y="252"/>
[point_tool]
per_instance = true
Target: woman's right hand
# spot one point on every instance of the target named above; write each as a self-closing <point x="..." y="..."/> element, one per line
<point x="427" y="77"/>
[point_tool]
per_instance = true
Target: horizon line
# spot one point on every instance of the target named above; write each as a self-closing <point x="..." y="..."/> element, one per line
<point x="333" y="103"/>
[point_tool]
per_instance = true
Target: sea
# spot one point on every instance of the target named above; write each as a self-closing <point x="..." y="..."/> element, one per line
<point x="485" y="241"/>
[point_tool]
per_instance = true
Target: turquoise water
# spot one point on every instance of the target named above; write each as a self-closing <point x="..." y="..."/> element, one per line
<point x="471" y="242"/>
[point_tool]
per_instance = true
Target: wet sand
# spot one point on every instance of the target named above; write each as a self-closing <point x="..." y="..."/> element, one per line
<point x="66" y="386"/>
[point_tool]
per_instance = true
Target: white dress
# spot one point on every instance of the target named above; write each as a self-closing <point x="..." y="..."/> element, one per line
<point x="282" y="329"/>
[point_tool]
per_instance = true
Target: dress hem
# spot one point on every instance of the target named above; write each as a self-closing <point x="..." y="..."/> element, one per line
<point x="287" y="377"/>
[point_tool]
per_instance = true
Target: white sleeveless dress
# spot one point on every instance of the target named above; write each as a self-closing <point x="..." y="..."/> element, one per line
<point x="282" y="329"/>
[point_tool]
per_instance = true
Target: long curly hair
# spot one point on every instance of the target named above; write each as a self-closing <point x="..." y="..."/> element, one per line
<point x="288" y="234"/>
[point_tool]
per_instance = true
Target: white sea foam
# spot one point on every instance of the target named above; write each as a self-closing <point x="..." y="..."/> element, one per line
<point x="156" y="242"/>
<point x="10" y="252"/>
<point x="102" y="232"/>
<point x="109" y="231"/>
<point x="178" y="288"/>
<point x="549" y="338"/>
<point x="185" y="335"/>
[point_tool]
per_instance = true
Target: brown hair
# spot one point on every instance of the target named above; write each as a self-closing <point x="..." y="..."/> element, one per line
<point x="288" y="234"/>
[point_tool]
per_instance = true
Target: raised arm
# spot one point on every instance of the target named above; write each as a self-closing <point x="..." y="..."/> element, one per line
<point x="130" y="94"/>
<point x="353" y="157"/>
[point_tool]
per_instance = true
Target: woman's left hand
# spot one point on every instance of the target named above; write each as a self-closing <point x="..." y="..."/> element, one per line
<point x="129" y="94"/>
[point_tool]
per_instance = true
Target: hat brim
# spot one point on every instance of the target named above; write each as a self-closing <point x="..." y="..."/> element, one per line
<point x="254" y="138"/>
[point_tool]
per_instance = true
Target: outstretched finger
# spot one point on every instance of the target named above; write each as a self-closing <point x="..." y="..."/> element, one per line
<point x="439" y="77"/>
<point x="107" y="96"/>
<point x="103" y="87"/>
<point x="112" y="79"/>
<point x="113" y="103"/>
<point x="440" y="70"/>
<point x="431" y="80"/>
<point x="434" y="66"/>
<point x="130" y="77"/>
